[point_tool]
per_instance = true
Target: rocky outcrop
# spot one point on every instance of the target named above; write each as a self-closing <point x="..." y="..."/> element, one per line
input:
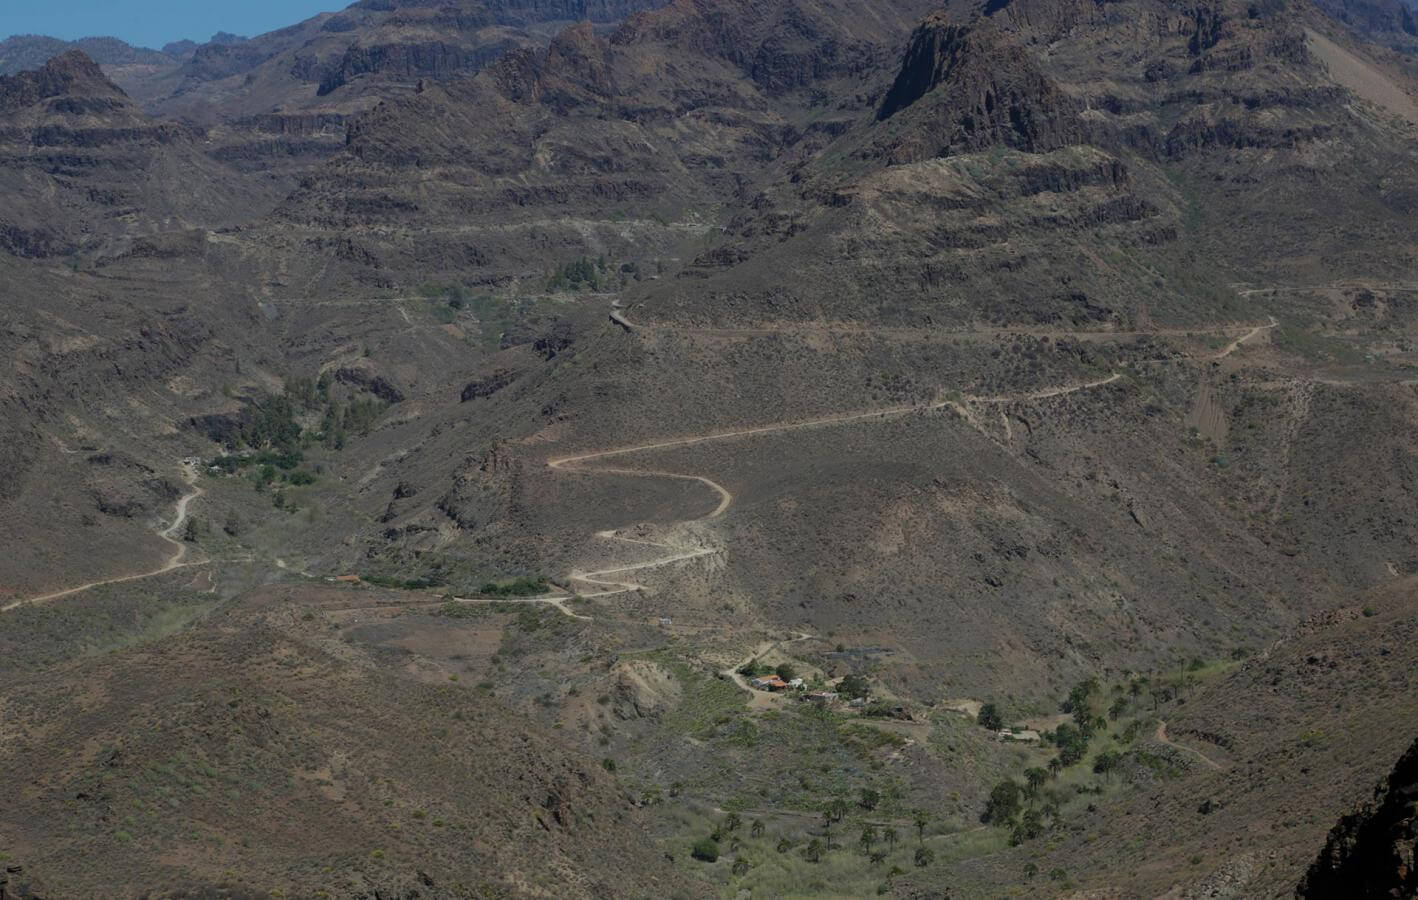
<point x="489" y="384"/>
<point x="72" y="73"/>
<point x="964" y="87"/>
<point x="484" y="493"/>
<point x="1373" y="851"/>
<point x="363" y="376"/>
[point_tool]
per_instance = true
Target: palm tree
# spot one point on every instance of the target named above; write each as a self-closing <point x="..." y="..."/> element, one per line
<point x="1055" y="766"/>
<point x="889" y="835"/>
<point x="868" y="837"/>
<point x="827" y="821"/>
<point x="1034" y="779"/>
<point x="813" y="851"/>
<point x="920" y="819"/>
<point x="756" y="829"/>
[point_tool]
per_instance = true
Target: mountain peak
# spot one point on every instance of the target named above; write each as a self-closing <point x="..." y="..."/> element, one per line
<point x="72" y="72"/>
<point x="968" y="86"/>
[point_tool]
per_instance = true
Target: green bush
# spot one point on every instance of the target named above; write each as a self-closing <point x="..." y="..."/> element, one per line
<point x="517" y="587"/>
<point x="705" y="850"/>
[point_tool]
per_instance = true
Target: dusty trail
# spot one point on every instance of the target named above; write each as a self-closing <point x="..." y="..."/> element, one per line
<point x="1236" y="344"/>
<point x="1161" y="737"/>
<point x="556" y="600"/>
<point x="976" y="333"/>
<point x="576" y="463"/>
<point x="176" y="561"/>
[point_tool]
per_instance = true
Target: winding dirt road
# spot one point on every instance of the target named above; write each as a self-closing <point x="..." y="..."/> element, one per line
<point x="1161" y="737"/>
<point x="176" y="561"/>
<point x="577" y="463"/>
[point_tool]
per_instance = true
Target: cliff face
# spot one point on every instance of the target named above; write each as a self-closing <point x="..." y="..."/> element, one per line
<point x="1373" y="851"/>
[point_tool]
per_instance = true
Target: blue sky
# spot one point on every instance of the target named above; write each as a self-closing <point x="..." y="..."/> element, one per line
<point x="152" y="23"/>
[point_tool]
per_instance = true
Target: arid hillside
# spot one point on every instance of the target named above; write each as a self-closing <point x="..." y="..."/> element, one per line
<point x="258" y="752"/>
<point x="442" y="434"/>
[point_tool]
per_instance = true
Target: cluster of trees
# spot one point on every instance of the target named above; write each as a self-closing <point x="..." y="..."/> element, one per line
<point x="581" y="274"/>
<point x="274" y="428"/>
<point x="870" y="840"/>
<point x="310" y="395"/>
<point x="272" y="425"/>
<point x="853" y="686"/>
<point x="1027" y="809"/>
<point x="753" y="668"/>
<point x="578" y="274"/>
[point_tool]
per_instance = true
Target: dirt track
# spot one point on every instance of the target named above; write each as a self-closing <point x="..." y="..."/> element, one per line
<point x="1161" y="737"/>
<point x="189" y="475"/>
<point x="1236" y="344"/>
<point x="575" y="464"/>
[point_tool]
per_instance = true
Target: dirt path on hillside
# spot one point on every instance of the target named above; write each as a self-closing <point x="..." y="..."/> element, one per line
<point x="1161" y="737"/>
<point x="969" y="333"/>
<point x="558" y="601"/>
<point x="577" y="463"/>
<point x="176" y="561"/>
<point x="1236" y="344"/>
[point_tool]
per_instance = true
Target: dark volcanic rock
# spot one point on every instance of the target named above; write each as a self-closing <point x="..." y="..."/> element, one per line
<point x="1373" y="851"/>
<point x="365" y="378"/>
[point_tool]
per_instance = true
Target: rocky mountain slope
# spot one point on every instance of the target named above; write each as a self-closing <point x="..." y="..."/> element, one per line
<point x="85" y="167"/>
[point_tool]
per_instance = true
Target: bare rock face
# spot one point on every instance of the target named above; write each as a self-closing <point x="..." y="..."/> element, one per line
<point x="1373" y="851"/>
<point x="964" y="87"/>
<point x="485" y="493"/>
<point x="643" y="689"/>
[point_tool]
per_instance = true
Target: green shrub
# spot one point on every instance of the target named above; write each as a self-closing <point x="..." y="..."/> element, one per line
<point x="517" y="587"/>
<point x="705" y="850"/>
<point x="407" y="584"/>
